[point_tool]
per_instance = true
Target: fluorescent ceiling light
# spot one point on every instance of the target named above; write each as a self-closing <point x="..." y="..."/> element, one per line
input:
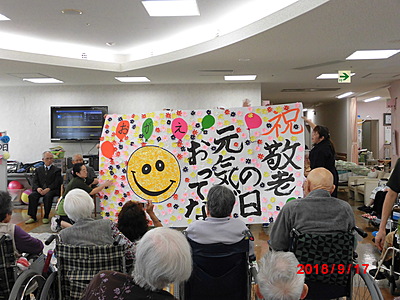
<point x="372" y="54"/>
<point x="372" y="99"/>
<point x="4" y="18"/>
<point x="240" y="77"/>
<point x="331" y="76"/>
<point x="132" y="79"/>
<point x="171" y="8"/>
<point x="344" y="95"/>
<point x="43" y="80"/>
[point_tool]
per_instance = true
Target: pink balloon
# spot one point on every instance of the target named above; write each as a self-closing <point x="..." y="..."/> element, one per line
<point x="15" y="185"/>
<point x="252" y="120"/>
<point x="179" y="128"/>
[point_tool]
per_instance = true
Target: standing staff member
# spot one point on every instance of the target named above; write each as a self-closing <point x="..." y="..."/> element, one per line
<point x="323" y="153"/>
<point x="393" y="190"/>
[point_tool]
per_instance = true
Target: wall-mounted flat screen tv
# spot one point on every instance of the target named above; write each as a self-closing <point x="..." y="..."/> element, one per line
<point x="77" y="123"/>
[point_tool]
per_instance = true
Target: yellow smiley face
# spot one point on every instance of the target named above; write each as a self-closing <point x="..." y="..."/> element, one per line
<point x="153" y="173"/>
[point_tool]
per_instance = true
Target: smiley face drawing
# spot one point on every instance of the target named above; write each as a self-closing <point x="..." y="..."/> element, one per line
<point x="153" y="173"/>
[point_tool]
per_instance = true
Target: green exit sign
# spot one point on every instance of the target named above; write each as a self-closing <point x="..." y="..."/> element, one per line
<point x="344" y="76"/>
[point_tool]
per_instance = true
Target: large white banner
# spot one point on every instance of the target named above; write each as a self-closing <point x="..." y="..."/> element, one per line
<point x="175" y="157"/>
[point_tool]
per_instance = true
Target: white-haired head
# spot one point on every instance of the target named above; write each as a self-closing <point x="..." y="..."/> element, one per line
<point x="163" y="256"/>
<point x="278" y="278"/>
<point x="78" y="205"/>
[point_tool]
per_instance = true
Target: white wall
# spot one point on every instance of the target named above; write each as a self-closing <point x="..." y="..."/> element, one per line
<point x="374" y="111"/>
<point x="26" y="112"/>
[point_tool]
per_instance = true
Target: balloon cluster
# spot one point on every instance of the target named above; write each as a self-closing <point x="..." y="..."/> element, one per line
<point x="179" y="129"/>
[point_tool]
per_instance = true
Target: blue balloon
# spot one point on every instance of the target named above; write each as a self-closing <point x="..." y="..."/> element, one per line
<point x="5" y="139"/>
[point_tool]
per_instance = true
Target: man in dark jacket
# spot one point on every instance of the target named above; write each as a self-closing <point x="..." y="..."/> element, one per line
<point x="47" y="182"/>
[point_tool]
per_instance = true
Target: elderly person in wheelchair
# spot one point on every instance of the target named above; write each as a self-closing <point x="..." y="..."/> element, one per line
<point x="319" y="230"/>
<point x="318" y="212"/>
<point x="162" y="257"/>
<point x="23" y="242"/>
<point x="89" y="232"/>
<point x="219" y="226"/>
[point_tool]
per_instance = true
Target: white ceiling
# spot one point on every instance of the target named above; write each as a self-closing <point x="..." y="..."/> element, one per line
<point x="286" y="50"/>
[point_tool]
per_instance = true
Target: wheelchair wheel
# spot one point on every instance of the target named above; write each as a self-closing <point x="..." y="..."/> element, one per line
<point x="28" y="284"/>
<point x="50" y="288"/>
<point x="364" y="287"/>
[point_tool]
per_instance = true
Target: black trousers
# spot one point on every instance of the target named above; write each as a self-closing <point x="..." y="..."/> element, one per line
<point x="47" y="201"/>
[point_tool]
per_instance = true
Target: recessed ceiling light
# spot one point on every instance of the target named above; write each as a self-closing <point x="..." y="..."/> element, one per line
<point x="132" y="79"/>
<point x="171" y="8"/>
<point x="240" y="77"/>
<point x="344" y="95"/>
<point x="372" y="99"/>
<point x="4" y="18"/>
<point x="70" y="11"/>
<point x="331" y="76"/>
<point x="43" y="80"/>
<point x="372" y="54"/>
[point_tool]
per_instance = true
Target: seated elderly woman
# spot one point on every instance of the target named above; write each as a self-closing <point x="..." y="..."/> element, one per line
<point x="163" y="257"/>
<point x="132" y="220"/>
<point x="80" y="174"/>
<point x="23" y="242"/>
<point x="89" y="232"/>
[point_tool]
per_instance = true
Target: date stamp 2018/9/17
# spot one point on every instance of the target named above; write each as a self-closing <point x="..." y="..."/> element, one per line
<point x="331" y="268"/>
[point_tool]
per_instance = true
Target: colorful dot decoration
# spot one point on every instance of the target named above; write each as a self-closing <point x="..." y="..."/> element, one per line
<point x="258" y="152"/>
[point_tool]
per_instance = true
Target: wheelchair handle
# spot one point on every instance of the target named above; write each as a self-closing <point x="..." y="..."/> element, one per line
<point x="50" y="239"/>
<point x="361" y="232"/>
<point x="3" y="238"/>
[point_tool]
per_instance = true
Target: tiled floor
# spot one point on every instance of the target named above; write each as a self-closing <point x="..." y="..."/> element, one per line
<point x="366" y="250"/>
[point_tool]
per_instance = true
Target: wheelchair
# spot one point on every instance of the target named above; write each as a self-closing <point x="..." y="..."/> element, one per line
<point x="220" y="271"/>
<point x="329" y="264"/>
<point x="14" y="283"/>
<point x="392" y="269"/>
<point x="77" y="265"/>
